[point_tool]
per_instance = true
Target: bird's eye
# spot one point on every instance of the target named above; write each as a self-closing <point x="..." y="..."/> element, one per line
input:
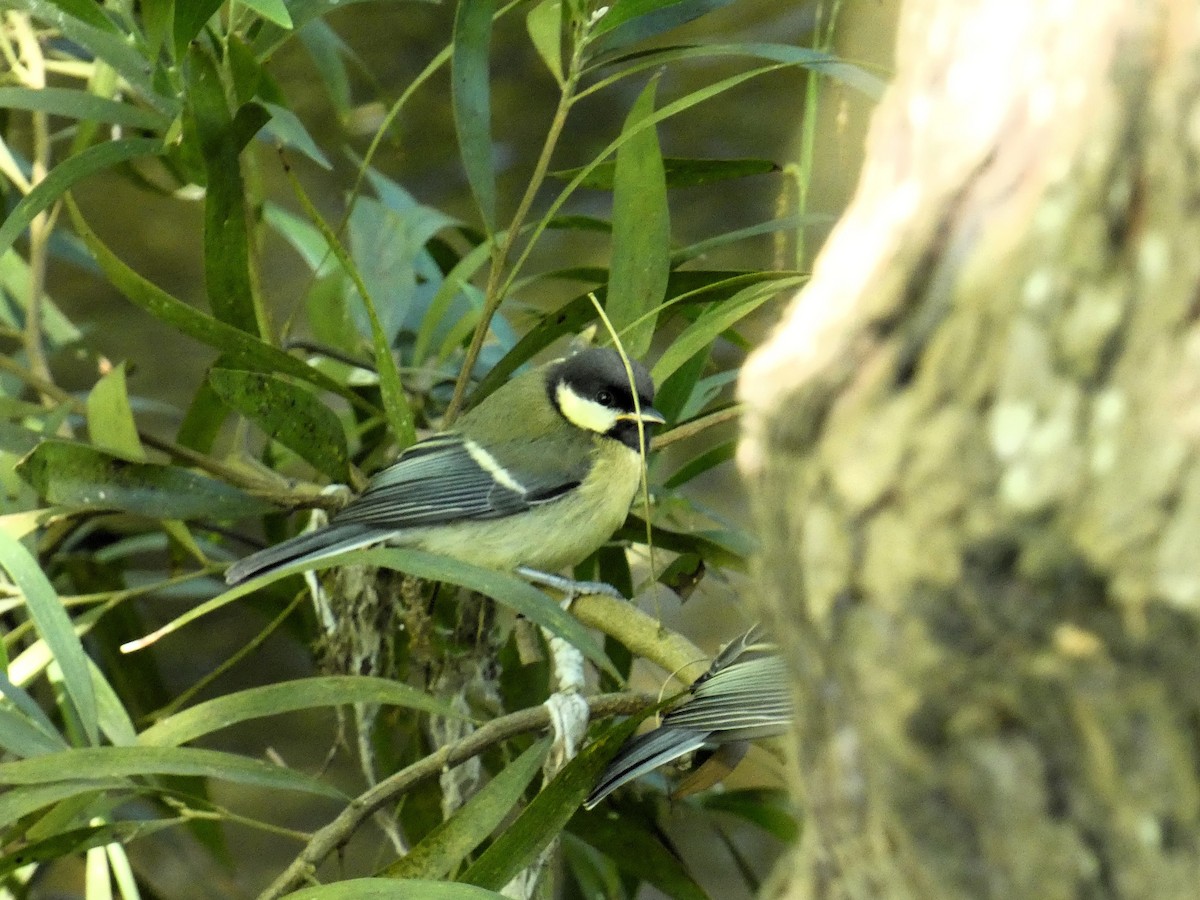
<point x="604" y="398"/>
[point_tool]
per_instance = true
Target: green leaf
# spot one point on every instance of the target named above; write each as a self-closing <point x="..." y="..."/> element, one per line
<point x="638" y="851"/>
<point x="788" y="223"/>
<point x="130" y="762"/>
<point x="288" y="696"/>
<point x="289" y="414"/>
<point x="110" y="419"/>
<point x="16" y="803"/>
<point x="641" y="248"/>
<point x="544" y="23"/>
<point x="389" y="889"/>
<point x="679" y="172"/>
<point x="80" y="476"/>
<point x="55" y="628"/>
<point x="771" y="810"/>
<point x="190" y="17"/>
<point x="709" y="459"/>
<point x="472" y="105"/>
<point x="112" y="716"/>
<point x="75" y="104"/>
<point x="286" y="128"/>
<point x="714" y="320"/>
<point x="542" y="820"/>
<point x="453" y="840"/>
<point x="226" y="238"/>
<point x="21" y="736"/>
<point x="272" y="11"/>
<point x="67" y="844"/>
<point x="71" y="170"/>
<point x="630" y="21"/>
<point x="240" y="348"/>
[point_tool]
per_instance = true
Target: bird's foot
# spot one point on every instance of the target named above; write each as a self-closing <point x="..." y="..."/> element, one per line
<point x="568" y="586"/>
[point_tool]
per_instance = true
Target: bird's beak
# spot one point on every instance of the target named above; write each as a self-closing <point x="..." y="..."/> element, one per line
<point x="649" y="416"/>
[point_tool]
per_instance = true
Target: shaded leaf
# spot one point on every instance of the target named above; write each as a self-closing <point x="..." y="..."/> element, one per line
<point x="641" y="246"/>
<point x="72" y="169"/>
<point x="771" y="810"/>
<point x="286" y="128"/>
<point x="190" y="17"/>
<point x="450" y="842"/>
<point x="55" y="628"/>
<point x="541" y="821"/>
<point x="470" y="85"/>
<point x="288" y="696"/>
<point x="80" y="476"/>
<point x="21" y="736"/>
<point x="289" y="414"/>
<point x="18" y="802"/>
<point x="272" y="11"/>
<point x="636" y="850"/>
<point x="226" y="239"/>
<point x="110" y="420"/>
<point x="710" y="458"/>
<point x="240" y="348"/>
<point x="630" y="21"/>
<point x="121" y="762"/>
<point x="679" y="172"/>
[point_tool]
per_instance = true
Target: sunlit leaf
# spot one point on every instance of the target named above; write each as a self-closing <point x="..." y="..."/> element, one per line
<point x="288" y="696"/>
<point x="289" y="414"/>
<point x="110" y="420"/>
<point x="72" y="169"/>
<point x="451" y="842"/>
<point x="55" y="628"/>
<point x="190" y="17"/>
<point x="471" y="102"/>
<point x="272" y="11"/>
<point x="641" y="248"/>
<point x="544" y="23"/>
<point x="81" y="105"/>
<point x="389" y="889"/>
<point x="128" y="762"/>
<point x="80" y="476"/>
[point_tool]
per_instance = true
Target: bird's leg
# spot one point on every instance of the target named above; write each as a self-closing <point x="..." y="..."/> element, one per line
<point x="568" y="586"/>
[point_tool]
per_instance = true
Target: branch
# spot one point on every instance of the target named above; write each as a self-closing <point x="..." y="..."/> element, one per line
<point x="338" y="832"/>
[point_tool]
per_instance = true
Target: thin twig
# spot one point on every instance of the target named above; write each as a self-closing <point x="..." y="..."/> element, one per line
<point x="695" y="426"/>
<point x="337" y="832"/>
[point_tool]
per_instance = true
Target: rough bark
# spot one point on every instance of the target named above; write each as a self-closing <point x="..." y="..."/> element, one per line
<point x="972" y="444"/>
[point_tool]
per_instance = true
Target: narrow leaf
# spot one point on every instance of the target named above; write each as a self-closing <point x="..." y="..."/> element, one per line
<point x="771" y="810"/>
<point x="289" y="414"/>
<point x="630" y="21"/>
<point x="545" y="816"/>
<point x="276" y="699"/>
<point x="22" y="737"/>
<point x="544" y="23"/>
<point x="272" y="11"/>
<point x="190" y="17"/>
<point x="226" y="238"/>
<point x="16" y="803"/>
<point x="679" y="172"/>
<point x="239" y="348"/>
<point x="390" y="889"/>
<point x="80" y="476"/>
<point x="110" y="419"/>
<point x="452" y="841"/>
<point x="472" y="104"/>
<point x="285" y="126"/>
<point x="121" y="762"/>
<point x="641" y="248"/>
<point x="82" y="105"/>
<point x="637" y="851"/>
<point x="709" y="459"/>
<point x="71" y="170"/>
<point x="55" y="628"/>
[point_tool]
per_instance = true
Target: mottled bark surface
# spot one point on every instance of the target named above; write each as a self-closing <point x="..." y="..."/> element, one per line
<point x="973" y="444"/>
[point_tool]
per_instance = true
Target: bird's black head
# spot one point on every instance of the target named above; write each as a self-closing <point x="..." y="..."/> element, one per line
<point x="591" y="390"/>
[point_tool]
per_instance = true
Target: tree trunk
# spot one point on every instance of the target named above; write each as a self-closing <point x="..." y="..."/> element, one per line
<point x="972" y="444"/>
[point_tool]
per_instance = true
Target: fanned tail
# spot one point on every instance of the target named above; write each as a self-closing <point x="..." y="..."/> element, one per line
<point x="309" y="547"/>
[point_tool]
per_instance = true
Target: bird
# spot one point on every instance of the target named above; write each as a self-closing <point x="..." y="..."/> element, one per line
<point x="533" y="479"/>
<point x="743" y="696"/>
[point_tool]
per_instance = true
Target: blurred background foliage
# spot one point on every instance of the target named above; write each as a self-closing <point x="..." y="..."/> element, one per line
<point x="251" y="249"/>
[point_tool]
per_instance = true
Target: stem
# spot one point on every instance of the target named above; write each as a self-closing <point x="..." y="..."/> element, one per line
<point x="496" y="284"/>
<point x="337" y="832"/>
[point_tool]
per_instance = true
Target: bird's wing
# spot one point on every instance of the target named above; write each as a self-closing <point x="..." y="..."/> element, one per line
<point x="450" y="478"/>
<point x="745" y="697"/>
<point x="643" y="754"/>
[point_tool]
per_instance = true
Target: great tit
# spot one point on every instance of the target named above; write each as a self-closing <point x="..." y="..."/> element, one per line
<point x="536" y="477"/>
<point x="743" y="696"/>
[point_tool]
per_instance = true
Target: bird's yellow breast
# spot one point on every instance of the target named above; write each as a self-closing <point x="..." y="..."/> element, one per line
<point x="555" y="534"/>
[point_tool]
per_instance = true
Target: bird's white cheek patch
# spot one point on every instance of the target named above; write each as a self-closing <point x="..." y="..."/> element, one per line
<point x="584" y="413"/>
<point x="488" y="463"/>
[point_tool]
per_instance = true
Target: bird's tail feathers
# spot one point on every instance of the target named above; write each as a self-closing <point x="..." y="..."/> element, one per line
<point x="644" y="754"/>
<point x="311" y="546"/>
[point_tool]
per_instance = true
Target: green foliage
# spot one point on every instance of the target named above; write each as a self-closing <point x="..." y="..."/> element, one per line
<point x="114" y="526"/>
